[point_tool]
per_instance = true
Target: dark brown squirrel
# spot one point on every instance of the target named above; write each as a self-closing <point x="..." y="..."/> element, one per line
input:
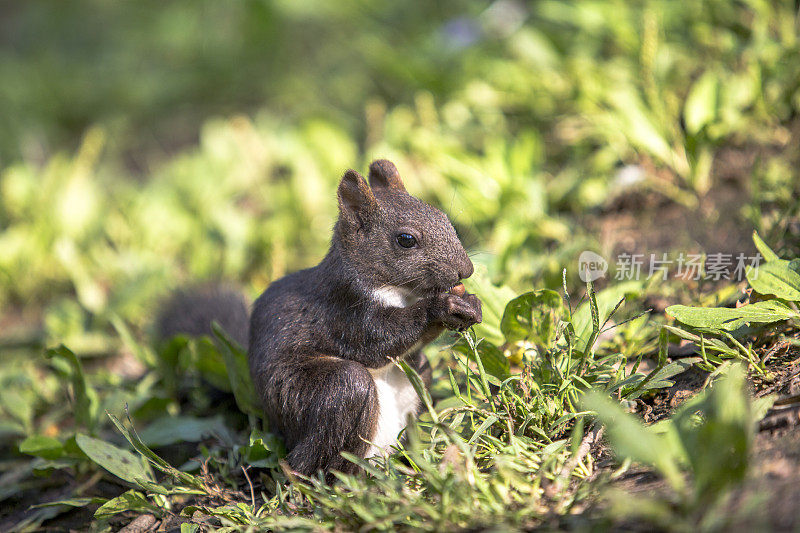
<point x="323" y="341"/>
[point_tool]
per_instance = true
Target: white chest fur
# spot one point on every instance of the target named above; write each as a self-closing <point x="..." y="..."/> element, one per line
<point x="392" y="296"/>
<point x="397" y="399"/>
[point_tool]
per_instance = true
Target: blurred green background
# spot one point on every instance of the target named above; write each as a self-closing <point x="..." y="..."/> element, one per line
<point x="148" y="145"/>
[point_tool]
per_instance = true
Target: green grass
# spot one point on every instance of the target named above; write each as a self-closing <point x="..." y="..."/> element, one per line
<point x="153" y="162"/>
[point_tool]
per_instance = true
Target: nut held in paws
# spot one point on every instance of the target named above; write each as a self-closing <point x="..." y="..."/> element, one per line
<point x="459" y="290"/>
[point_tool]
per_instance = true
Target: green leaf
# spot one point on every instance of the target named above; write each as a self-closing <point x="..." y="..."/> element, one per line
<point x="168" y="361"/>
<point x="129" y="501"/>
<point x="422" y="392"/>
<point x="533" y="316"/>
<point x="18" y="411"/>
<point x="764" y="249"/>
<point x="483" y="377"/>
<point x="710" y="344"/>
<point x="595" y="312"/>
<point x="42" y="446"/>
<point x="74" y="502"/>
<point x="86" y="403"/>
<point x="152" y="457"/>
<point x="777" y="278"/>
<point x="659" y="377"/>
<point x="119" y="462"/>
<point x="143" y="354"/>
<point x="210" y="362"/>
<point x="239" y="373"/>
<point x="490" y="420"/>
<point x="729" y="319"/>
<point x="454" y="386"/>
<point x="642" y="129"/>
<point x="700" y="108"/>
<point x="264" y="450"/>
<point x="718" y="446"/>
<point x="492" y="359"/>
<point x="173" y="429"/>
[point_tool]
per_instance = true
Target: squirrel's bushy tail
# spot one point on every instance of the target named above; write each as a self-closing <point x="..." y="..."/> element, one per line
<point x="191" y="312"/>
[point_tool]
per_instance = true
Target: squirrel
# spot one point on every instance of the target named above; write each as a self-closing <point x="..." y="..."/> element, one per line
<point x="323" y="341"/>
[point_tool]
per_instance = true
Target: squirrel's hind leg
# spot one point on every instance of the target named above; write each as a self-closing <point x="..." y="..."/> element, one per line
<point x="324" y="405"/>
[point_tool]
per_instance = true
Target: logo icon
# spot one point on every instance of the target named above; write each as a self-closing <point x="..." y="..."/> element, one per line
<point x="591" y="266"/>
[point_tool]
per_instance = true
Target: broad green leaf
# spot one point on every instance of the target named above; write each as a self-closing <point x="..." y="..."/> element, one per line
<point x="86" y="404"/>
<point x="264" y="450"/>
<point x="764" y="249"/>
<point x="659" y="377"/>
<point x="494" y="362"/>
<point x="492" y="359"/>
<point x="119" y="462"/>
<point x="151" y="456"/>
<point x="170" y="430"/>
<point x="15" y="405"/>
<point x="729" y="319"/>
<point x="239" y="373"/>
<point x="129" y="501"/>
<point x="74" y="502"/>
<point x="533" y="316"/>
<point x="211" y="363"/>
<point x="701" y="103"/>
<point x="168" y="361"/>
<point x="718" y="446"/>
<point x="776" y="278"/>
<point x="42" y="446"/>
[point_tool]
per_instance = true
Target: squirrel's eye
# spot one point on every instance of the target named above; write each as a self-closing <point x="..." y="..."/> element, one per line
<point x="406" y="240"/>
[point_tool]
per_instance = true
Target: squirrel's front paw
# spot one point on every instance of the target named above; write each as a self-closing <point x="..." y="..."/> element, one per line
<point x="457" y="312"/>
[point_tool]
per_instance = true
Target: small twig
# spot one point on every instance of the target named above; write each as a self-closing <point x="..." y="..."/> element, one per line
<point x="252" y="492"/>
<point x="591" y="438"/>
<point x="774" y="349"/>
<point x="141" y="524"/>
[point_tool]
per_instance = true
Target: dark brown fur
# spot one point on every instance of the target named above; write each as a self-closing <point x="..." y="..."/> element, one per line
<point x="191" y="312"/>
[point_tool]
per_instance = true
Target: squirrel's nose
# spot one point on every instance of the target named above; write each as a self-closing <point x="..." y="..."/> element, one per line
<point x="466" y="269"/>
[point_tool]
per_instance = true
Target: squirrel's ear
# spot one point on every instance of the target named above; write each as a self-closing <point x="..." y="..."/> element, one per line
<point x="356" y="201"/>
<point x="383" y="173"/>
